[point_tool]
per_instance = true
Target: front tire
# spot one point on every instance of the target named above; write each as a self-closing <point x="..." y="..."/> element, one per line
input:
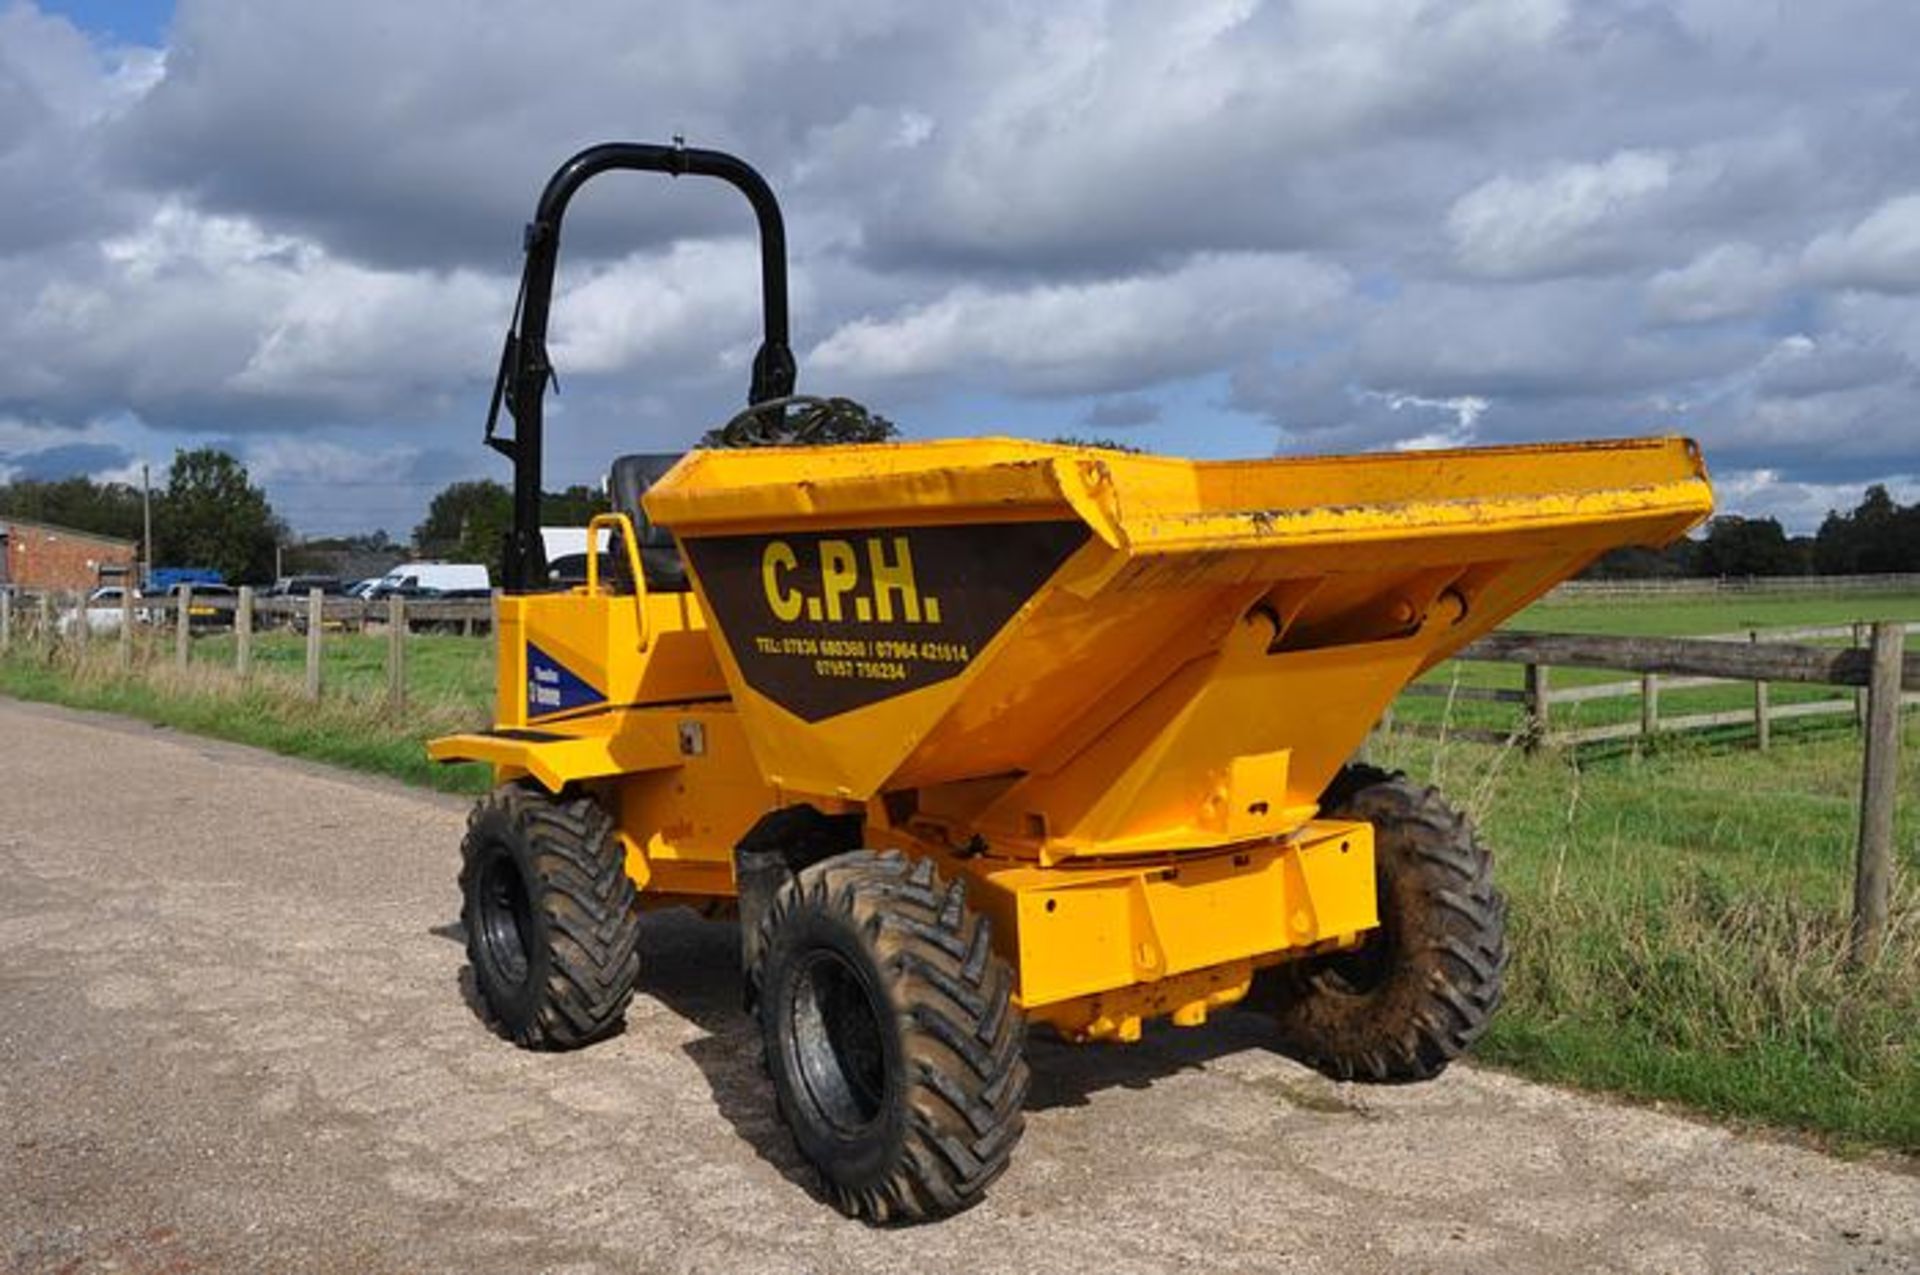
<point x="1421" y="988"/>
<point x="552" y="919"/>
<point x="896" y="1054"/>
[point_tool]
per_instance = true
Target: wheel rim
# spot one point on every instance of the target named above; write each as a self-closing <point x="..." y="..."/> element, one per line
<point x="839" y="1051"/>
<point x="506" y="919"/>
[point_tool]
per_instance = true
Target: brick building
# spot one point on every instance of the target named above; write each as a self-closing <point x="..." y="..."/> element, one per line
<point x="37" y="555"/>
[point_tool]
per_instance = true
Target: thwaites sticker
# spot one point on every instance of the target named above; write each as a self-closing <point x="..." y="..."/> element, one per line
<point x="825" y="622"/>
<point x="552" y="687"/>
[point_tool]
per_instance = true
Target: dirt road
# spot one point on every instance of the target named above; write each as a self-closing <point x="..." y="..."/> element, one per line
<point x="233" y="1038"/>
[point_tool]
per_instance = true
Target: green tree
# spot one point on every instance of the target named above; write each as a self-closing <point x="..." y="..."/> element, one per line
<point x="1879" y="535"/>
<point x="1737" y="546"/>
<point x="105" y="509"/>
<point x="467" y="522"/>
<point x="211" y="515"/>
<point x="1635" y="562"/>
<point x="574" y="507"/>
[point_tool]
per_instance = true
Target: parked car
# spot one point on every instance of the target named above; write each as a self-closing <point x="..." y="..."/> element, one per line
<point x="569" y="570"/>
<point x="201" y="614"/>
<point x="418" y="579"/>
<point x="301" y="586"/>
<point x="287" y="596"/>
<point x="101" y="612"/>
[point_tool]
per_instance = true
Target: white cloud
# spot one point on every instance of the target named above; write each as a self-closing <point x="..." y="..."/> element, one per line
<point x="1466" y="409"/>
<point x="1558" y="222"/>
<point x="695" y="301"/>
<point x="1100" y="337"/>
<point x="190" y="307"/>
<point x="1799" y="506"/>
<point x="1727" y="281"/>
<point x="1379" y="222"/>
<point x="1880" y="254"/>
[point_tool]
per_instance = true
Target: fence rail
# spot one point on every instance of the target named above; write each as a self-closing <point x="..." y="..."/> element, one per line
<point x="1883" y="675"/>
<point x="1578" y="590"/>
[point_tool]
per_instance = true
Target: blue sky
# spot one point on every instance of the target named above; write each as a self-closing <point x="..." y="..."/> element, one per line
<point x="116" y="21"/>
<point x="1225" y="228"/>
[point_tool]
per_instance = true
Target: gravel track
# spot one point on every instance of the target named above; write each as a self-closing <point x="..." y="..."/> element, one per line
<point x="233" y="1037"/>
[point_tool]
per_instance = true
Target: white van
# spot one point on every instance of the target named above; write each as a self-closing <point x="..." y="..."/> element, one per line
<point x="414" y="578"/>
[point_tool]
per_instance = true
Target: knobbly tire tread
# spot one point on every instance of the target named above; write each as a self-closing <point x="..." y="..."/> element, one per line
<point x="586" y="917"/>
<point x="956" y="1106"/>
<point x="1446" y="966"/>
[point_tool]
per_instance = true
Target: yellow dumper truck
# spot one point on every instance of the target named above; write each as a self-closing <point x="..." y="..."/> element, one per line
<point x="974" y="735"/>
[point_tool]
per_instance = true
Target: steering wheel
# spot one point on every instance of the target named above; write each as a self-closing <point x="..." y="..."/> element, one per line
<point x="751" y="425"/>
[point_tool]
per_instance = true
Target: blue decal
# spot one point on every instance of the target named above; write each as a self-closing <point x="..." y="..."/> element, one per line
<point x="552" y="687"/>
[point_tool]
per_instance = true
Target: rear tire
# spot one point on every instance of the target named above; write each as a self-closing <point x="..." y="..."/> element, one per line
<point x="894" y="1048"/>
<point x="552" y="919"/>
<point x="1421" y="988"/>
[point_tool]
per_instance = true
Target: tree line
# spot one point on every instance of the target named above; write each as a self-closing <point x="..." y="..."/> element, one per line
<point x="209" y="513"/>
<point x="1878" y="536"/>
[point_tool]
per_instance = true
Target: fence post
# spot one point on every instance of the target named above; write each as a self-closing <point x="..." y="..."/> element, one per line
<point x="1860" y="696"/>
<point x="126" y="628"/>
<point x="1762" y="732"/>
<point x="82" y="630"/>
<point x="1538" y="692"/>
<point x="45" y="622"/>
<point x="243" y="631"/>
<point x="396" y="652"/>
<point x="183" y="631"/>
<point x="6" y="620"/>
<point x="1649" y="705"/>
<point x="316" y="617"/>
<point x="1879" y="776"/>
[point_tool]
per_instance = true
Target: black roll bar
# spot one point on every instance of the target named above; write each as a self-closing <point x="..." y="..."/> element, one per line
<point x="525" y="371"/>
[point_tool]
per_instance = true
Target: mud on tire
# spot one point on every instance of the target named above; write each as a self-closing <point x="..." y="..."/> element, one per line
<point x="1421" y="988"/>
<point x="551" y="917"/>
<point x="895" y="1051"/>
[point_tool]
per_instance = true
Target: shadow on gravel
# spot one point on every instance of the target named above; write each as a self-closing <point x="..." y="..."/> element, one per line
<point x="692" y="967"/>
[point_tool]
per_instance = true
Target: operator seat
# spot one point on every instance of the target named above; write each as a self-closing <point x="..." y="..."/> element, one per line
<point x="627" y="482"/>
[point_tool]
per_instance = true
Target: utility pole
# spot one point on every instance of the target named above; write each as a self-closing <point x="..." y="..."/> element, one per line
<point x="146" y="518"/>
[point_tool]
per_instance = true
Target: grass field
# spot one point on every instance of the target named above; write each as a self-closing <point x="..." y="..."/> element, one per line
<point x="1678" y="911"/>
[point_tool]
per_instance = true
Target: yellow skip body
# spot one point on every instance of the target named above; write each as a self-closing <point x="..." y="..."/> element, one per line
<point x="1105" y="690"/>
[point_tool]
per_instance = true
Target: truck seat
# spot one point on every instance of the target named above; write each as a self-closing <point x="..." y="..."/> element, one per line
<point x="660" y="558"/>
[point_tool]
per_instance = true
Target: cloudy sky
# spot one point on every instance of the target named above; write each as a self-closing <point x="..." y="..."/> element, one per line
<point x="1221" y="229"/>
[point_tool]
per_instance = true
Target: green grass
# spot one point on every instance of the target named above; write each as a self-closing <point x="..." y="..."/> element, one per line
<point x="1678" y="920"/>
<point x="449" y="689"/>
<point x="1711" y="613"/>
<point x="1678" y="911"/>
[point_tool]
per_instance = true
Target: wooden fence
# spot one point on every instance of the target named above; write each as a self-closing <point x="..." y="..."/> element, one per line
<point x="40" y="619"/>
<point x="1884" y="676"/>
<point x="1538" y="725"/>
<point x="1876" y="667"/>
